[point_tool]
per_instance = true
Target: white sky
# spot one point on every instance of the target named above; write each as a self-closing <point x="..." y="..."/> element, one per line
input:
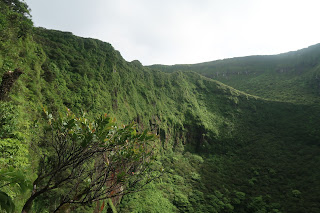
<point x="186" y="31"/>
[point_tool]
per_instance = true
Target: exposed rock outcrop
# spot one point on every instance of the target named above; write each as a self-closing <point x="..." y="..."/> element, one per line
<point x="8" y="80"/>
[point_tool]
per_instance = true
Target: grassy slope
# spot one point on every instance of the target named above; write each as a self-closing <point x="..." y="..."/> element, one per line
<point x="224" y="125"/>
<point x="292" y="76"/>
<point x="223" y="150"/>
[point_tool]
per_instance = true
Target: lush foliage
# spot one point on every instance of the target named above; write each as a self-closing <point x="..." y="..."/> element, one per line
<point x="222" y="150"/>
<point x="82" y="161"/>
<point x="290" y="77"/>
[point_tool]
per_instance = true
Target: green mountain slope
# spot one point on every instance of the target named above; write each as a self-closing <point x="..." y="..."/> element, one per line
<point x="222" y="149"/>
<point x="292" y="76"/>
<point x="191" y="113"/>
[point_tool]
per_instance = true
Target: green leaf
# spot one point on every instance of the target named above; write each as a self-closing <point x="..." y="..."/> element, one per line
<point x="70" y="124"/>
<point x="6" y="202"/>
<point x="15" y="177"/>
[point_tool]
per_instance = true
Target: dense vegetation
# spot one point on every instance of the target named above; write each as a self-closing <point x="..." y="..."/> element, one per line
<point x="290" y="77"/>
<point x="222" y="150"/>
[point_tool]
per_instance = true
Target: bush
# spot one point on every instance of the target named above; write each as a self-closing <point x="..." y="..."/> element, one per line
<point x="83" y="161"/>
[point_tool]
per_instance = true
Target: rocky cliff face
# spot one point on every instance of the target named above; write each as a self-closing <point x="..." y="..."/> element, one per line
<point x="8" y="80"/>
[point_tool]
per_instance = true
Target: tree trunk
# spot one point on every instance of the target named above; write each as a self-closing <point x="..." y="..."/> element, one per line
<point x="27" y="206"/>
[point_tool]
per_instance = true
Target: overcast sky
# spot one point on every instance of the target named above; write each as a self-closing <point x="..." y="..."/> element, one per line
<point x="186" y="31"/>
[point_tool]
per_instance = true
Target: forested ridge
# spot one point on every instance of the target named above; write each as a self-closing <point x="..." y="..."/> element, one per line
<point x="290" y="77"/>
<point x="210" y="147"/>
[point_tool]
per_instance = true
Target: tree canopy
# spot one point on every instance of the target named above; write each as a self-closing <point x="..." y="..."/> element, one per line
<point x="84" y="161"/>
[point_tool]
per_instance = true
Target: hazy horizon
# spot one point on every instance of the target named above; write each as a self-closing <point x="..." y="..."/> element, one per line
<point x="185" y="32"/>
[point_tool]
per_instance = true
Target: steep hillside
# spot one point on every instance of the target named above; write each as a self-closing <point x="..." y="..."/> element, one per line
<point x="292" y="76"/>
<point x="222" y="150"/>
